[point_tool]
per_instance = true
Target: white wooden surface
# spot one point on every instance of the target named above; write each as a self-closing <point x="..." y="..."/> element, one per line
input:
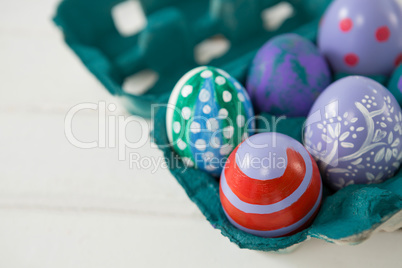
<point x="61" y="206"/>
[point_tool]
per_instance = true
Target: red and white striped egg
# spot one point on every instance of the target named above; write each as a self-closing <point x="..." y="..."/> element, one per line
<point x="270" y="186"/>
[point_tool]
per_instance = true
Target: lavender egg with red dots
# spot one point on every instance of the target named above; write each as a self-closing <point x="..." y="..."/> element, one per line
<point x="362" y="36"/>
<point x="287" y="75"/>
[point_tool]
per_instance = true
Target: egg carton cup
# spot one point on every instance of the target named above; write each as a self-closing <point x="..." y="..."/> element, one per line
<point x="166" y="45"/>
<point x="346" y="217"/>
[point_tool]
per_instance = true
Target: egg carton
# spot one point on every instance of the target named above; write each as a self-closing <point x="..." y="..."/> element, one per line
<point x="166" y="46"/>
<point x="348" y="216"/>
<point x="174" y="29"/>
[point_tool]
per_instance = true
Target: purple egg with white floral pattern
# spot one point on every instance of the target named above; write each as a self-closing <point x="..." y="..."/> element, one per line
<point x="209" y="114"/>
<point x="287" y="75"/>
<point x="362" y="36"/>
<point x="354" y="131"/>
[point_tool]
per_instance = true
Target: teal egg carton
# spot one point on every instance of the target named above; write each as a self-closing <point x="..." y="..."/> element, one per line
<point x="166" y="45"/>
<point x="347" y="217"/>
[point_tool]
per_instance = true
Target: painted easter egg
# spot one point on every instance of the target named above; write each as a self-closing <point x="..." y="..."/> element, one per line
<point x="208" y="115"/>
<point x="395" y="84"/>
<point x="362" y="36"/>
<point x="287" y="75"/>
<point x="354" y="132"/>
<point x="270" y="186"/>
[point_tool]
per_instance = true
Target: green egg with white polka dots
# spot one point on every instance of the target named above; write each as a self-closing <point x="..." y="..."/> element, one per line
<point x="209" y="113"/>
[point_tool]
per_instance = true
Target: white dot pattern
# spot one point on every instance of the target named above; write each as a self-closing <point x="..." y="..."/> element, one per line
<point x="227" y="96"/>
<point x="201" y="145"/>
<point x="206" y="74"/>
<point x="176" y="127"/>
<point x="186" y="113"/>
<point x="186" y="91"/>
<point x="206" y="109"/>
<point x="204" y="95"/>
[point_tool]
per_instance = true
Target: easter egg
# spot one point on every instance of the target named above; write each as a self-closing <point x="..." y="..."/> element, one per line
<point x="395" y="84"/>
<point x="270" y="186"/>
<point x="362" y="36"/>
<point x="286" y="76"/>
<point x="209" y="113"/>
<point x="354" y="132"/>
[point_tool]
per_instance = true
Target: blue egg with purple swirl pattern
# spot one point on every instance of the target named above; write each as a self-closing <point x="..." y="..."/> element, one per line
<point x="287" y="75"/>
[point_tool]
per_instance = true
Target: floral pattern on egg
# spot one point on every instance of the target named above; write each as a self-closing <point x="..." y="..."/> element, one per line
<point x="354" y="131"/>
